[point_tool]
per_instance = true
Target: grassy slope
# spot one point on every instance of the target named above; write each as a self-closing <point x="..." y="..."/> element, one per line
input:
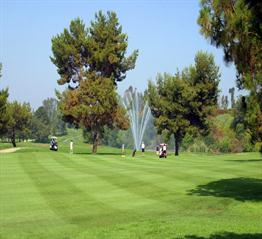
<point x="57" y="195"/>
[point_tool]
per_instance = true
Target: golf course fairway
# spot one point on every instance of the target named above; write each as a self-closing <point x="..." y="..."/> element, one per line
<point x="58" y="195"/>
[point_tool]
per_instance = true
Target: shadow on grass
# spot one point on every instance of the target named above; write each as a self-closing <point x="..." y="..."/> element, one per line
<point x="227" y="235"/>
<point x="245" y="160"/>
<point x="242" y="189"/>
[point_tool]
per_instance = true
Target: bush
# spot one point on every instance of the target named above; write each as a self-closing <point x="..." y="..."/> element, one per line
<point x="187" y="141"/>
<point x="246" y="142"/>
<point x="223" y="145"/>
<point x="236" y="146"/>
<point x="258" y="147"/>
<point x="198" y="147"/>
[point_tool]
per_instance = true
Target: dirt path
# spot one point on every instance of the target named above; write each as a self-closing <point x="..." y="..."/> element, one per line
<point x="10" y="150"/>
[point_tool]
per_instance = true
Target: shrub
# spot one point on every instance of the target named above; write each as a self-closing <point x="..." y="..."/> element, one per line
<point x="236" y="146"/>
<point x="223" y="145"/>
<point x="198" y="147"/>
<point x="187" y="141"/>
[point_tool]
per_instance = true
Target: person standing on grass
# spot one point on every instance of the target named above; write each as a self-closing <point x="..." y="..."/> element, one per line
<point x="143" y="147"/>
<point x="123" y="150"/>
<point x="157" y="150"/>
<point x="71" y="146"/>
<point x="164" y="150"/>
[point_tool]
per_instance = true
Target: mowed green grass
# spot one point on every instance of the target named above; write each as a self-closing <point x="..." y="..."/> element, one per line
<point x="56" y="195"/>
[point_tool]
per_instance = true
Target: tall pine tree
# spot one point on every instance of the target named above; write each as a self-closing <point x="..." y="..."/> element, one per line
<point x="236" y="27"/>
<point x="88" y="59"/>
<point x="182" y="103"/>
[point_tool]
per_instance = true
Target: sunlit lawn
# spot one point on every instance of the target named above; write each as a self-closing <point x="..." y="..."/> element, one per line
<point x="55" y="195"/>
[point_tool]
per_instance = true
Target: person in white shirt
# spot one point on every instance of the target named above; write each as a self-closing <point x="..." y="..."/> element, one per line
<point x="123" y="150"/>
<point x="143" y="147"/>
<point x="71" y="146"/>
<point x="164" y="150"/>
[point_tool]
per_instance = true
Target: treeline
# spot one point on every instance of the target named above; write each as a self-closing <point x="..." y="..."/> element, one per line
<point x="225" y="135"/>
<point x="225" y="129"/>
<point x="185" y="105"/>
<point x="18" y="122"/>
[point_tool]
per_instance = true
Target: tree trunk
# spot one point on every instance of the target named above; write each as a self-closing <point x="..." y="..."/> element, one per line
<point x="13" y="138"/>
<point x="95" y="142"/>
<point x="134" y="153"/>
<point x="176" y="146"/>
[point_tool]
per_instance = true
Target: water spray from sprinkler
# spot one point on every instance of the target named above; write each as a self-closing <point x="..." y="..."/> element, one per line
<point x="138" y="113"/>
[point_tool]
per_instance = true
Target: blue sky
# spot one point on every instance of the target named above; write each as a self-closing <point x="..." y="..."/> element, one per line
<point x="165" y="33"/>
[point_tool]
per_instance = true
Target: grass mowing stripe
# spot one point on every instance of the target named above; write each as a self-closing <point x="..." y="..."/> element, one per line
<point x="131" y="183"/>
<point x="115" y="178"/>
<point x="100" y="189"/>
<point x="107" y="189"/>
<point x="172" y="173"/>
<point x="63" y="197"/>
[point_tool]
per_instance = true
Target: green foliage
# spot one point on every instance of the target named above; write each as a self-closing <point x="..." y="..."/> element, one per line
<point x="111" y="137"/>
<point x="56" y="124"/>
<point x="3" y="114"/>
<point x="19" y="119"/>
<point x="92" y="60"/>
<point x="169" y="102"/>
<point x="39" y="130"/>
<point x="3" y="105"/>
<point x="81" y="52"/>
<point x="198" y="147"/>
<point x="93" y="106"/>
<point x="231" y="91"/>
<point x="47" y="120"/>
<point x="40" y="125"/>
<point x="236" y="26"/>
<point x="187" y="141"/>
<point x="42" y="115"/>
<point x="182" y="103"/>
<point x="247" y="119"/>
<point x="107" y="46"/>
<point x="221" y="138"/>
<point x="224" y="102"/>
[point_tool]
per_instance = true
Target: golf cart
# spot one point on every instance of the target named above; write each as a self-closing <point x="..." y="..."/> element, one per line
<point x="162" y="150"/>
<point x="53" y="144"/>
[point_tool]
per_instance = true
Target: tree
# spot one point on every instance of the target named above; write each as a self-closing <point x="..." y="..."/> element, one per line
<point x="3" y="105"/>
<point x="231" y="91"/>
<point x="40" y="125"/>
<point x="81" y="52"/>
<point x="224" y="102"/>
<point x="169" y="101"/>
<point x="245" y="117"/>
<point x="19" y="119"/>
<point x="56" y="124"/>
<point x="91" y="57"/>
<point x="204" y="77"/>
<point x="182" y="103"/>
<point x="93" y="105"/>
<point x="46" y="121"/>
<point x="39" y="131"/>
<point x="236" y="27"/>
